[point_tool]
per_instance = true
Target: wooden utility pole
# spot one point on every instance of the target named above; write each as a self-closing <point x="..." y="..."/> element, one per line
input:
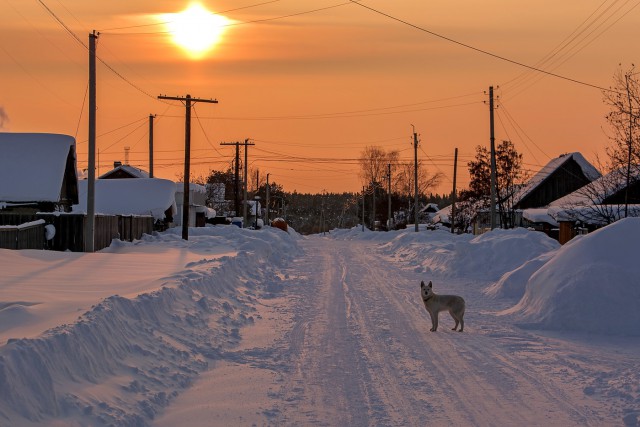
<point x="389" y="195"/>
<point x="267" y="201"/>
<point x="89" y="233"/>
<point x="246" y="182"/>
<point x="236" y="183"/>
<point x="492" y="209"/>
<point x="362" y="208"/>
<point x="188" y="100"/>
<point x="415" y="177"/>
<point x="626" y="191"/>
<point x="373" y="205"/>
<point x="453" y="194"/>
<point x="151" y="117"/>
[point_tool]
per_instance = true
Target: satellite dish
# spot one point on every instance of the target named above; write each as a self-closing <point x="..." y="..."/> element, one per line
<point x="49" y="231"/>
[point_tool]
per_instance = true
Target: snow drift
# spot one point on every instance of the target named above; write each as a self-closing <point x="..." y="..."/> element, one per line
<point x="592" y="284"/>
<point x="487" y="256"/>
<point x="126" y="358"/>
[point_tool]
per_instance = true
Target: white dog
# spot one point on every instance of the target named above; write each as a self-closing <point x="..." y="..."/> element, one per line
<point x="437" y="303"/>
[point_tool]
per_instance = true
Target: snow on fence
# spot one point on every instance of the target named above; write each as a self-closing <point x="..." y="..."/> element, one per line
<point x="29" y="235"/>
<point x="69" y="229"/>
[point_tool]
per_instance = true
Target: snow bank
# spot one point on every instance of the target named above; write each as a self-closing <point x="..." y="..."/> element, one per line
<point x="126" y="358"/>
<point x="486" y="257"/>
<point x="513" y="283"/>
<point x="592" y="284"/>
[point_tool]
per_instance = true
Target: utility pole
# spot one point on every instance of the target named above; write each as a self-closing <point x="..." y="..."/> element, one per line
<point x="363" y="208"/>
<point x="89" y="233"/>
<point x="246" y="183"/>
<point x="415" y="177"/>
<point x="626" y="191"/>
<point x="267" y="202"/>
<point x="188" y="100"/>
<point x="151" y="117"/>
<point x="453" y="194"/>
<point x="492" y="209"/>
<point x="236" y="184"/>
<point x="373" y="220"/>
<point x="389" y="194"/>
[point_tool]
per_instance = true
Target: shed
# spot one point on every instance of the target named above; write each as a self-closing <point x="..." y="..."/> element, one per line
<point x="37" y="172"/>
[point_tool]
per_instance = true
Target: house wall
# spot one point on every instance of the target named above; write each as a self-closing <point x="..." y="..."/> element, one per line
<point x="564" y="180"/>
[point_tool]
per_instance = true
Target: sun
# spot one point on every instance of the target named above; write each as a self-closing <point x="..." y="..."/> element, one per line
<point x="196" y="30"/>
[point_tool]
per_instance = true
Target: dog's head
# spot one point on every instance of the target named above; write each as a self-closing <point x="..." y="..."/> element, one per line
<point x="426" y="290"/>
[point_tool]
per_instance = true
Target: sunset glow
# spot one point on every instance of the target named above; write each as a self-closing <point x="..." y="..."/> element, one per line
<point x="196" y="30"/>
<point x="312" y="85"/>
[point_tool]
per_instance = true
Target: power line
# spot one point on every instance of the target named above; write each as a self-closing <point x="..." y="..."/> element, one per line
<point x="213" y="13"/>
<point x="339" y="115"/>
<point x="255" y="21"/>
<point x="109" y="67"/>
<point x="482" y="51"/>
<point x="575" y="49"/>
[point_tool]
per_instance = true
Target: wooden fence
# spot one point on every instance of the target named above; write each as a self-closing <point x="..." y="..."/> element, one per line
<point x="69" y="229"/>
<point x="25" y="236"/>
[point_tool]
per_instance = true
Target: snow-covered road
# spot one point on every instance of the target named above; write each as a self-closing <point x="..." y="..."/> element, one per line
<point x="349" y="344"/>
<point x="238" y="327"/>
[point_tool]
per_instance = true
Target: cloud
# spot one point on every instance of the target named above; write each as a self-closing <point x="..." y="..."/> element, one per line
<point x="4" y="117"/>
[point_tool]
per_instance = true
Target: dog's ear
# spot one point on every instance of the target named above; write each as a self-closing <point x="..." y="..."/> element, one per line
<point x="430" y="284"/>
<point x="422" y="284"/>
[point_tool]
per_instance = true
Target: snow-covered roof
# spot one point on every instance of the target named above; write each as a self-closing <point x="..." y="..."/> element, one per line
<point x="194" y="188"/>
<point x="596" y="191"/>
<point x="131" y="170"/>
<point x="144" y="196"/>
<point x="587" y="168"/>
<point x="32" y="166"/>
<point x="442" y="215"/>
<point x="539" y="215"/>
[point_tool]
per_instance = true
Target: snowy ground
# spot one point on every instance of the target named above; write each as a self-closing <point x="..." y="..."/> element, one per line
<point x="241" y="327"/>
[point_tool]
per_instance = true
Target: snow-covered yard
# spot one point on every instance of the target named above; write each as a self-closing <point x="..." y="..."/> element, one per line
<point x="242" y="327"/>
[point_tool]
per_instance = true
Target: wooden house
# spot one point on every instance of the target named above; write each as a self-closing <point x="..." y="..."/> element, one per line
<point x="37" y="172"/>
<point x="121" y="171"/>
<point x="560" y="177"/>
<point x="599" y="203"/>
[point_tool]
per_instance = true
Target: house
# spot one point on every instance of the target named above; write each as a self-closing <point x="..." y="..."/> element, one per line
<point x="601" y="202"/>
<point x="198" y="210"/>
<point x="37" y="172"/>
<point x="145" y="196"/>
<point x="120" y="171"/>
<point x="559" y="177"/>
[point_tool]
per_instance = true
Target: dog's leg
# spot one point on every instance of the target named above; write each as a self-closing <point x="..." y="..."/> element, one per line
<point x="434" y="322"/>
<point x="461" y="323"/>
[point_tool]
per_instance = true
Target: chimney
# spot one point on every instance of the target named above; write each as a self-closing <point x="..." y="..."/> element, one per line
<point x="117" y="163"/>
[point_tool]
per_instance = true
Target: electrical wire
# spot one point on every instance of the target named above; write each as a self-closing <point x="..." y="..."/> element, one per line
<point x="213" y="13"/>
<point x="255" y="21"/>
<point x="479" y="50"/>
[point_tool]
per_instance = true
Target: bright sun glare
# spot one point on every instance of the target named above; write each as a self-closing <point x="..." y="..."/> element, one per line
<point x="196" y="29"/>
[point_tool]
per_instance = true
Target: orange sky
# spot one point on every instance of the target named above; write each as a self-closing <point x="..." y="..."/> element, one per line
<point x="313" y="90"/>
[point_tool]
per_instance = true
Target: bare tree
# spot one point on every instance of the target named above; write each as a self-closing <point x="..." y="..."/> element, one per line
<point x="373" y="164"/>
<point x="600" y="202"/>
<point x="623" y="100"/>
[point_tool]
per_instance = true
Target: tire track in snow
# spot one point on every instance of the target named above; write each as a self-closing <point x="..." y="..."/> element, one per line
<point x="364" y="354"/>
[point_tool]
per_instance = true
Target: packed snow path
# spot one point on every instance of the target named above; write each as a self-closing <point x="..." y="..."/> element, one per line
<point x="352" y="347"/>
